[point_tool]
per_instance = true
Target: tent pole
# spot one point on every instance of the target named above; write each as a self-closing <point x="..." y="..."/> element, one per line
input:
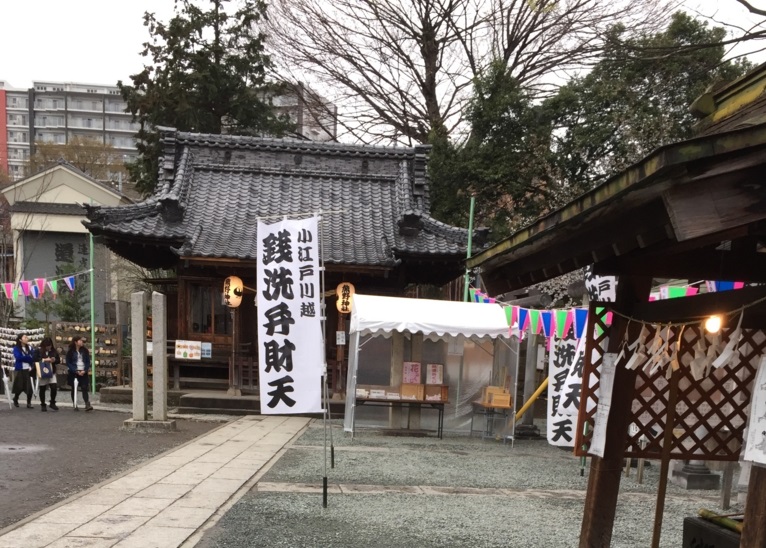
<point x="465" y="297"/>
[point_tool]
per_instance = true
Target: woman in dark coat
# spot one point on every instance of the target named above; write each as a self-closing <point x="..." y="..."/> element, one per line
<point x="48" y="358"/>
<point x="78" y="365"/>
<point x="22" y="368"/>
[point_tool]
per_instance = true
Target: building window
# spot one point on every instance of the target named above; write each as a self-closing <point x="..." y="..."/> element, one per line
<point x="208" y="313"/>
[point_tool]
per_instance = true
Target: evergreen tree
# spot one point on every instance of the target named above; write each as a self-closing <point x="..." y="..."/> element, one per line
<point x="206" y="73"/>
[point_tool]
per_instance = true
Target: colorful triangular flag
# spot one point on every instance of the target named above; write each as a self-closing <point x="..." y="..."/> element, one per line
<point x="69" y="281"/>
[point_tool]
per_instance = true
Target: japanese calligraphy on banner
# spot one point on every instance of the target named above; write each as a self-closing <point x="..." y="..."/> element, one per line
<point x="289" y="317"/>
<point x="600" y="288"/>
<point x="570" y="393"/>
<point x="560" y="426"/>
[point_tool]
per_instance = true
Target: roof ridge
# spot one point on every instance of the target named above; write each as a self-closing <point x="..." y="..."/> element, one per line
<point x="247" y="141"/>
<point x="249" y="168"/>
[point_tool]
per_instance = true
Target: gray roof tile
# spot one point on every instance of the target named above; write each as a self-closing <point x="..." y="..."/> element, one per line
<point x="221" y="185"/>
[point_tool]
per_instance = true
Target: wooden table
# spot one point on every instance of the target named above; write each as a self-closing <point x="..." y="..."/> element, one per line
<point x="420" y="404"/>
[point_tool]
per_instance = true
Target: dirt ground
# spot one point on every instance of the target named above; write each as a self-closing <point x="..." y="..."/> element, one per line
<point x="46" y="457"/>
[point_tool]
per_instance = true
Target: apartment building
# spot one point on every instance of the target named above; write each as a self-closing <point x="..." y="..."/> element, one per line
<point x="56" y="112"/>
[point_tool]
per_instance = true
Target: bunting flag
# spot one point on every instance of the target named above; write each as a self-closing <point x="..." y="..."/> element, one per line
<point x="739" y="285"/>
<point x="35" y="291"/>
<point x="472" y="294"/>
<point x="54" y="287"/>
<point x="508" y="315"/>
<point x="523" y="318"/>
<point x="546" y="321"/>
<point x="724" y="286"/>
<point x="562" y="323"/>
<point x="40" y="283"/>
<point x="69" y="281"/>
<point x="534" y="321"/>
<point x="676" y="292"/>
<point x="710" y="286"/>
<point x="25" y="287"/>
<point x="691" y="291"/>
<point x="580" y="319"/>
<point x="8" y="289"/>
<point x="15" y="293"/>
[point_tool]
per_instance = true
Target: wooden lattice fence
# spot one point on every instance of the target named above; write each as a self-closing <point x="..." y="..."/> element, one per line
<point x="710" y="413"/>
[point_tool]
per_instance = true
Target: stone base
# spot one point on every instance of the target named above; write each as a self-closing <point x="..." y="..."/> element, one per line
<point x="527" y="432"/>
<point x="696" y="477"/>
<point x="149" y="427"/>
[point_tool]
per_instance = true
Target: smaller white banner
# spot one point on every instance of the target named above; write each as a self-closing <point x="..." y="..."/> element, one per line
<point x="755" y="449"/>
<point x="606" y="386"/>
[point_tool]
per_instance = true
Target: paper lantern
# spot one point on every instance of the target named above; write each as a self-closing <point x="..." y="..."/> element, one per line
<point x="232" y="291"/>
<point x="345" y="293"/>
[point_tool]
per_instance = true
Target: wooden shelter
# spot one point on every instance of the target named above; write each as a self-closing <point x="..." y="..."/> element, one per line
<point x="693" y="210"/>
<point x="376" y="228"/>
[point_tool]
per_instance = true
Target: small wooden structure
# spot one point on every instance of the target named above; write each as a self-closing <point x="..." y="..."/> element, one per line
<point x="694" y="210"/>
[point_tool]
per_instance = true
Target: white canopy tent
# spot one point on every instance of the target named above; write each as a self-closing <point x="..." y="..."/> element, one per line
<point x="381" y="316"/>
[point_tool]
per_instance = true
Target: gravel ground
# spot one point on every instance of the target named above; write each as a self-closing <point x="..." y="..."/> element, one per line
<point x="47" y="457"/>
<point x="425" y="492"/>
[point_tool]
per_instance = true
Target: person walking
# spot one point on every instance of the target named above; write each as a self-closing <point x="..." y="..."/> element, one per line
<point x="22" y="368"/>
<point x="48" y="358"/>
<point x="78" y="366"/>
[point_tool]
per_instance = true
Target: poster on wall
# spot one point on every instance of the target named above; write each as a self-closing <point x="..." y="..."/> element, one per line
<point x="291" y="349"/>
<point x="188" y="350"/>
<point x="755" y="448"/>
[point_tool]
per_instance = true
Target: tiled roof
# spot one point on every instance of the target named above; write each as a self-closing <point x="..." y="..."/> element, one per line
<point x="374" y="200"/>
<point x="48" y="208"/>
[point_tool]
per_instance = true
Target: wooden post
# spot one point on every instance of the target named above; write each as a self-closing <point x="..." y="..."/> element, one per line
<point x="667" y="446"/>
<point x="339" y="357"/>
<point x="754" y="530"/>
<point x="726" y="481"/>
<point x="604" y="478"/>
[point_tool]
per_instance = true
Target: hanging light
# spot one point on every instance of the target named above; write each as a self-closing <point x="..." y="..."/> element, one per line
<point x="345" y="293"/>
<point x="713" y="324"/>
<point x="232" y="291"/>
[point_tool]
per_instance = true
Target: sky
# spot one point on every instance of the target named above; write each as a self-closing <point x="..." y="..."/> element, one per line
<point x="99" y="41"/>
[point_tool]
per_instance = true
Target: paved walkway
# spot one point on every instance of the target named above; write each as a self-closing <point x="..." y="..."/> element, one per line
<point x="168" y="501"/>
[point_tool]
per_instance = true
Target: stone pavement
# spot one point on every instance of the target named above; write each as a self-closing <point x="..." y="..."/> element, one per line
<point x="168" y="501"/>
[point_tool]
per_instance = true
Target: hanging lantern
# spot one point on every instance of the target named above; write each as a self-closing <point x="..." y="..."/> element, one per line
<point x="232" y="291"/>
<point x="345" y="293"/>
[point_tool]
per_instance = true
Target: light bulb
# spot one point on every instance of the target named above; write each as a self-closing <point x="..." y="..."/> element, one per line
<point x="713" y="324"/>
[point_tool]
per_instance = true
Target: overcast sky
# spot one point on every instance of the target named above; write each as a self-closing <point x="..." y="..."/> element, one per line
<point x="98" y="41"/>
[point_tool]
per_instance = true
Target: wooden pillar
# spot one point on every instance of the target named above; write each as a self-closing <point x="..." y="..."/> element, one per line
<point x="397" y="360"/>
<point x="754" y="531"/>
<point x="604" y="478"/>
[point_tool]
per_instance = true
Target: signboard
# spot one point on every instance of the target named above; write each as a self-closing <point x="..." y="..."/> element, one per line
<point x="189" y="350"/>
<point x="291" y="345"/>
<point x="340" y="338"/>
<point x="207" y="350"/>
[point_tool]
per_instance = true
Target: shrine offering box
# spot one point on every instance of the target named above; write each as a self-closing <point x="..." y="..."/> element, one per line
<point x="412" y="391"/>
<point x="437" y="392"/>
<point x="434" y="373"/>
<point x="496" y="395"/>
<point x="411" y="372"/>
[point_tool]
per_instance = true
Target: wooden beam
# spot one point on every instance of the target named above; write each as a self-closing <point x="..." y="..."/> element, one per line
<point x="754" y="530"/>
<point x="604" y="479"/>
<point x="711" y="206"/>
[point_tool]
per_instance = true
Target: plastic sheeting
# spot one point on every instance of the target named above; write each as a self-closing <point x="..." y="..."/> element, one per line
<point x="373" y="315"/>
<point x="436" y="320"/>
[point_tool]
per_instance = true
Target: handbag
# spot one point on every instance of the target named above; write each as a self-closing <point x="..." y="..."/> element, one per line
<point x="45" y="370"/>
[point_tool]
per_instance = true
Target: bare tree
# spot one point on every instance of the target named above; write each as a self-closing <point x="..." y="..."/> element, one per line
<point x="91" y="156"/>
<point x="402" y="69"/>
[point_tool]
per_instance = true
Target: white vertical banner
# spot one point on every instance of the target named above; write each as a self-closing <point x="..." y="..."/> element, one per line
<point x="290" y="346"/>
<point x="560" y="427"/>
